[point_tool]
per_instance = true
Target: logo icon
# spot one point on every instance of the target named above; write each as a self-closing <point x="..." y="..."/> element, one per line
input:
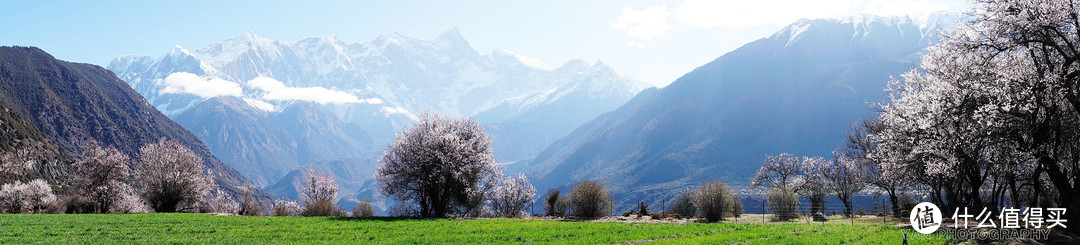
<point x="925" y="218"/>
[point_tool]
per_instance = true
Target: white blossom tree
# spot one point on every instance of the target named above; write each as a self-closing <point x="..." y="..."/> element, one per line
<point x="128" y="201"/>
<point x="318" y="194"/>
<point x="286" y="208"/>
<point x="843" y="178"/>
<point x="779" y="171"/>
<point x="442" y="165"/>
<point x="1000" y="91"/>
<point x="218" y="201"/>
<point x="812" y="183"/>
<point x="29" y="197"/>
<point x="171" y="177"/>
<point x="100" y="176"/>
<point x="511" y="196"/>
<point x="787" y="174"/>
<point x="861" y="148"/>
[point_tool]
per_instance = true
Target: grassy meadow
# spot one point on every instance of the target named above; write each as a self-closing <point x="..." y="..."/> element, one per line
<point x="203" y="228"/>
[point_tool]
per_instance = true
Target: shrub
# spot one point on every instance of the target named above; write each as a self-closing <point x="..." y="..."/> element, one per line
<point x="656" y="216"/>
<point x="318" y="194"/>
<point x="783" y="203"/>
<point x="714" y="200"/>
<point x="171" y="176"/>
<point x="30" y="197"/>
<point x="627" y="213"/>
<point x="363" y="209"/>
<point x="219" y="202"/>
<point x="248" y="205"/>
<point x="511" y="196"/>
<point x="736" y="207"/>
<point x="590" y="200"/>
<point x="128" y="201"/>
<point x="286" y="208"/>
<point x="75" y="204"/>
<point x="554" y="205"/>
<point x="642" y="209"/>
<point x="684" y="204"/>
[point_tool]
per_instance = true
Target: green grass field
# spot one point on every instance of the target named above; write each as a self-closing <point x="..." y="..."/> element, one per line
<point x="203" y="228"/>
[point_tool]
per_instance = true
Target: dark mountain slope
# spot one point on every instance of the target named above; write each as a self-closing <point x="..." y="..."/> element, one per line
<point x="74" y="104"/>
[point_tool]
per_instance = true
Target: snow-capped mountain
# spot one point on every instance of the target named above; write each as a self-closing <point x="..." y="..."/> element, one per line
<point x="384" y="82"/>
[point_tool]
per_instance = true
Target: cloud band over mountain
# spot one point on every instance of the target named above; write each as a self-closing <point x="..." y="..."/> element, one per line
<point x="271" y="90"/>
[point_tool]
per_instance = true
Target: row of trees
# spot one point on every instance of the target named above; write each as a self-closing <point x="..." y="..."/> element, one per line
<point x="991" y="119"/>
<point x="167" y="178"/>
<point x="441" y="167"/>
<point x="788" y="176"/>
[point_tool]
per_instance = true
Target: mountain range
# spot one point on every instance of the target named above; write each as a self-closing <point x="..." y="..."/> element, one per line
<point x="795" y="91"/>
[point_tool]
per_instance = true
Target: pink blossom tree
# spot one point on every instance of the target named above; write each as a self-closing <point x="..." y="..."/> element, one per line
<point x="318" y="194"/>
<point x="442" y="165"/>
<point x="511" y="196"/>
<point x="100" y="176"/>
<point x="171" y="177"/>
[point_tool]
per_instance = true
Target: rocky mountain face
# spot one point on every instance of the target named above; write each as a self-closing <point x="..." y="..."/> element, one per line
<point x="265" y="146"/>
<point x="74" y="104"/>
<point x="796" y="91"/>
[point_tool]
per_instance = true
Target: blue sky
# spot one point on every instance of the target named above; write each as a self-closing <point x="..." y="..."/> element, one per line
<point x="654" y="41"/>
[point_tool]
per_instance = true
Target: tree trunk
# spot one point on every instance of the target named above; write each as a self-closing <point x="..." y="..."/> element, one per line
<point x="895" y="204"/>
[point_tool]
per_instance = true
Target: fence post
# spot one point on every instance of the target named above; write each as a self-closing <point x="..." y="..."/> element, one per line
<point x="762" y="211"/>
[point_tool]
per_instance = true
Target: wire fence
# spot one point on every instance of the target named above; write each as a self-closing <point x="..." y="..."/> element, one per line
<point x="864" y="209"/>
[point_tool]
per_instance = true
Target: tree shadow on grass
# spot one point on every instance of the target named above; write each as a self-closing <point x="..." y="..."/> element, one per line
<point x="390" y="219"/>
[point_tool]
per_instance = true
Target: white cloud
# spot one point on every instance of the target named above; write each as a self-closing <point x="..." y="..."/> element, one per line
<point x="274" y="90"/>
<point x="259" y="104"/>
<point x="700" y="14"/>
<point x="644" y="24"/>
<point x="394" y="110"/>
<point x="187" y="83"/>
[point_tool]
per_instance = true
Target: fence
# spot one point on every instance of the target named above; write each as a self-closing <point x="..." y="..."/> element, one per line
<point x="865" y="209"/>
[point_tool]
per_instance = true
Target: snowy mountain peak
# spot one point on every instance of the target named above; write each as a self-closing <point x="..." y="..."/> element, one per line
<point x="523" y="59"/>
<point x="220" y="53"/>
<point x="177" y="50"/>
<point x="451" y="35"/>
<point x="870" y="20"/>
<point x="941" y="20"/>
<point x="600" y="65"/>
<point x="575" y="66"/>
<point x="860" y="29"/>
<point x="250" y="35"/>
